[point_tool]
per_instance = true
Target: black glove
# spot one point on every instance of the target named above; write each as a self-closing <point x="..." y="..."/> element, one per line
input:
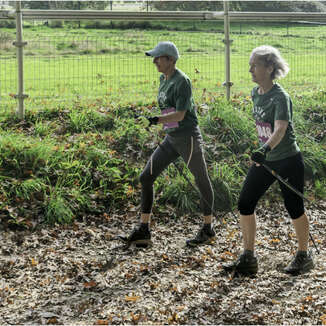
<point x="152" y="120"/>
<point x="259" y="156"/>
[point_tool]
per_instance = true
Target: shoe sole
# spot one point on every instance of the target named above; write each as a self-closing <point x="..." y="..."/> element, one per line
<point x="189" y="244"/>
<point x="246" y="273"/>
<point x="140" y="243"/>
<point x="303" y="271"/>
<point x="229" y="268"/>
<point x="234" y="269"/>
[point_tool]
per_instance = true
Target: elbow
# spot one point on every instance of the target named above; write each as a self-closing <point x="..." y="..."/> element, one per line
<point x="282" y="132"/>
<point x="181" y="116"/>
<point x="280" y="135"/>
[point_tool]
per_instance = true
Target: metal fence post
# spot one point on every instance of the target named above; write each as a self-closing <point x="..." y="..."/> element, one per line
<point x="227" y="43"/>
<point x="20" y="61"/>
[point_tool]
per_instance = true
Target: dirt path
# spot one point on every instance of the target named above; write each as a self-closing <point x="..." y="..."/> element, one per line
<point x="75" y="275"/>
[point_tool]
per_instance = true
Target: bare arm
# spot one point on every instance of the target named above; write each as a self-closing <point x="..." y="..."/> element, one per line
<point x="172" y="117"/>
<point x="280" y="127"/>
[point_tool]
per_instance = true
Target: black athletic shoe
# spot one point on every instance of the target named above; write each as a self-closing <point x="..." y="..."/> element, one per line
<point x="301" y="263"/>
<point x="246" y="264"/>
<point x="203" y="236"/>
<point x="138" y="236"/>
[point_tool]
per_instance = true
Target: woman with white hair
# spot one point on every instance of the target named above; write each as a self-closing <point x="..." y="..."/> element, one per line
<point x="272" y="111"/>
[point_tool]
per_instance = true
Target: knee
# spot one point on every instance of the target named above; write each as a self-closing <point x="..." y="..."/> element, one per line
<point x="146" y="179"/>
<point x="245" y="207"/>
<point x="295" y="210"/>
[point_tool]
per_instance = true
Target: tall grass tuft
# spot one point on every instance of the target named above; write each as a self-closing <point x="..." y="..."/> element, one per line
<point x="29" y="187"/>
<point x="57" y="209"/>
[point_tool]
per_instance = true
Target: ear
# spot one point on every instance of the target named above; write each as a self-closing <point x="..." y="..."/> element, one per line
<point x="171" y="59"/>
<point x="270" y="69"/>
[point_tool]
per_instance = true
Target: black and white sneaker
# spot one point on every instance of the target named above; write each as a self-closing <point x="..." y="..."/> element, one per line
<point x="246" y="265"/>
<point x="301" y="263"/>
<point x="204" y="236"/>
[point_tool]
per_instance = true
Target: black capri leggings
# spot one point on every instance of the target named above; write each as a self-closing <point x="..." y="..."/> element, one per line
<point x="190" y="149"/>
<point x="258" y="180"/>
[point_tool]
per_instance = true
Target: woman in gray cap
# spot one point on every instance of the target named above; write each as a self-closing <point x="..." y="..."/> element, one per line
<point x="183" y="138"/>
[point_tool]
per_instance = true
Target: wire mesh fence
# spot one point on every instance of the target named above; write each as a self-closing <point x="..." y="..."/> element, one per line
<point x="113" y="64"/>
<point x="303" y="46"/>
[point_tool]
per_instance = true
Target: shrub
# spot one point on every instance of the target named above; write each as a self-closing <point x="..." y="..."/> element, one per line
<point x="56" y="24"/>
<point x="7" y="24"/>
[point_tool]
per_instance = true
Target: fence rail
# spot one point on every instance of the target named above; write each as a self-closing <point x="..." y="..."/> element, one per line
<point x="166" y="15"/>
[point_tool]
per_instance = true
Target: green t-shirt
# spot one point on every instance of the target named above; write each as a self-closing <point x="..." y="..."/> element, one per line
<point x="276" y="104"/>
<point x="175" y="94"/>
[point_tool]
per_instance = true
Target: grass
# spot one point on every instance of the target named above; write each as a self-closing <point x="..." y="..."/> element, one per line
<point x="58" y="171"/>
<point x="67" y="63"/>
<point x="69" y="161"/>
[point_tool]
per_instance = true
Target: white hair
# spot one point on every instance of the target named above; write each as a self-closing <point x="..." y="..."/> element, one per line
<point x="271" y="56"/>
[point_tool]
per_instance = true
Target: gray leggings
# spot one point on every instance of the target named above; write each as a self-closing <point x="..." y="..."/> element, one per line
<point x="190" y="149"/>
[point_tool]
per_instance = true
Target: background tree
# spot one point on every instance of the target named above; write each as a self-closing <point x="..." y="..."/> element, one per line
<point x="68" y="5"/>
<point x="308" y="6"/>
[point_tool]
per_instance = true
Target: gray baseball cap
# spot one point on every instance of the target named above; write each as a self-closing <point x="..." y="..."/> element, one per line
<point x="164" y="48"/>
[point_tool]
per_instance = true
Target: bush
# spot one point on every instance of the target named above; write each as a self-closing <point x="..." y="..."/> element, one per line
<point x="56" y="24"/>
<point x="7" y="24"/>
<point x="97" y="25"/>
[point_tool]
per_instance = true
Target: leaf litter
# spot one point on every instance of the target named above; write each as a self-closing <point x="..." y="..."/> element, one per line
<point x="80" y="274"/>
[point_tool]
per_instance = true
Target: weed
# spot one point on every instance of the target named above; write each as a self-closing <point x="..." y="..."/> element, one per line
<point x="180" y="194"/>
<point x="320" y="188"/>
<point x="57" y="209"/>
<point x="29" y="187"/>
<point x="80" y="121"/>
<point x="42" y="129"/>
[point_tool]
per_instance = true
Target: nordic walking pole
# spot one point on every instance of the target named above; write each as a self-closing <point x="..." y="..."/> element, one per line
<point x="279" y="178"/>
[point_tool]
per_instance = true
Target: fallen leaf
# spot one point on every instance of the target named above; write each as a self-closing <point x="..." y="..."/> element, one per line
<point x="102" y="322"/>
<point x="90" y="284"/>
<point x="132" y="298"/>
<point x="323" y="319"/>
<point x="33" y="262"/>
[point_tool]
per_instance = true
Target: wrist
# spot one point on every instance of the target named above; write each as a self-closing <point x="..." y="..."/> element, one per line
<point x="153" y="120"/>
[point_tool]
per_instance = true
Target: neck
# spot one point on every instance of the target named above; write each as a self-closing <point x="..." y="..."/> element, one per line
<point x="169" y="73"/>
<point x="265" y="86"/>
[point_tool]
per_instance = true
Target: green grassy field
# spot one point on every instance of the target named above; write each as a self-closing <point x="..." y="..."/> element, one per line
<point x="69" y="63"/>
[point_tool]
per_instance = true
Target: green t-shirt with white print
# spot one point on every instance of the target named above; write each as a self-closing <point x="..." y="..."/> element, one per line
<point x="175" y="94"/>
<point x="274" y="105"/>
